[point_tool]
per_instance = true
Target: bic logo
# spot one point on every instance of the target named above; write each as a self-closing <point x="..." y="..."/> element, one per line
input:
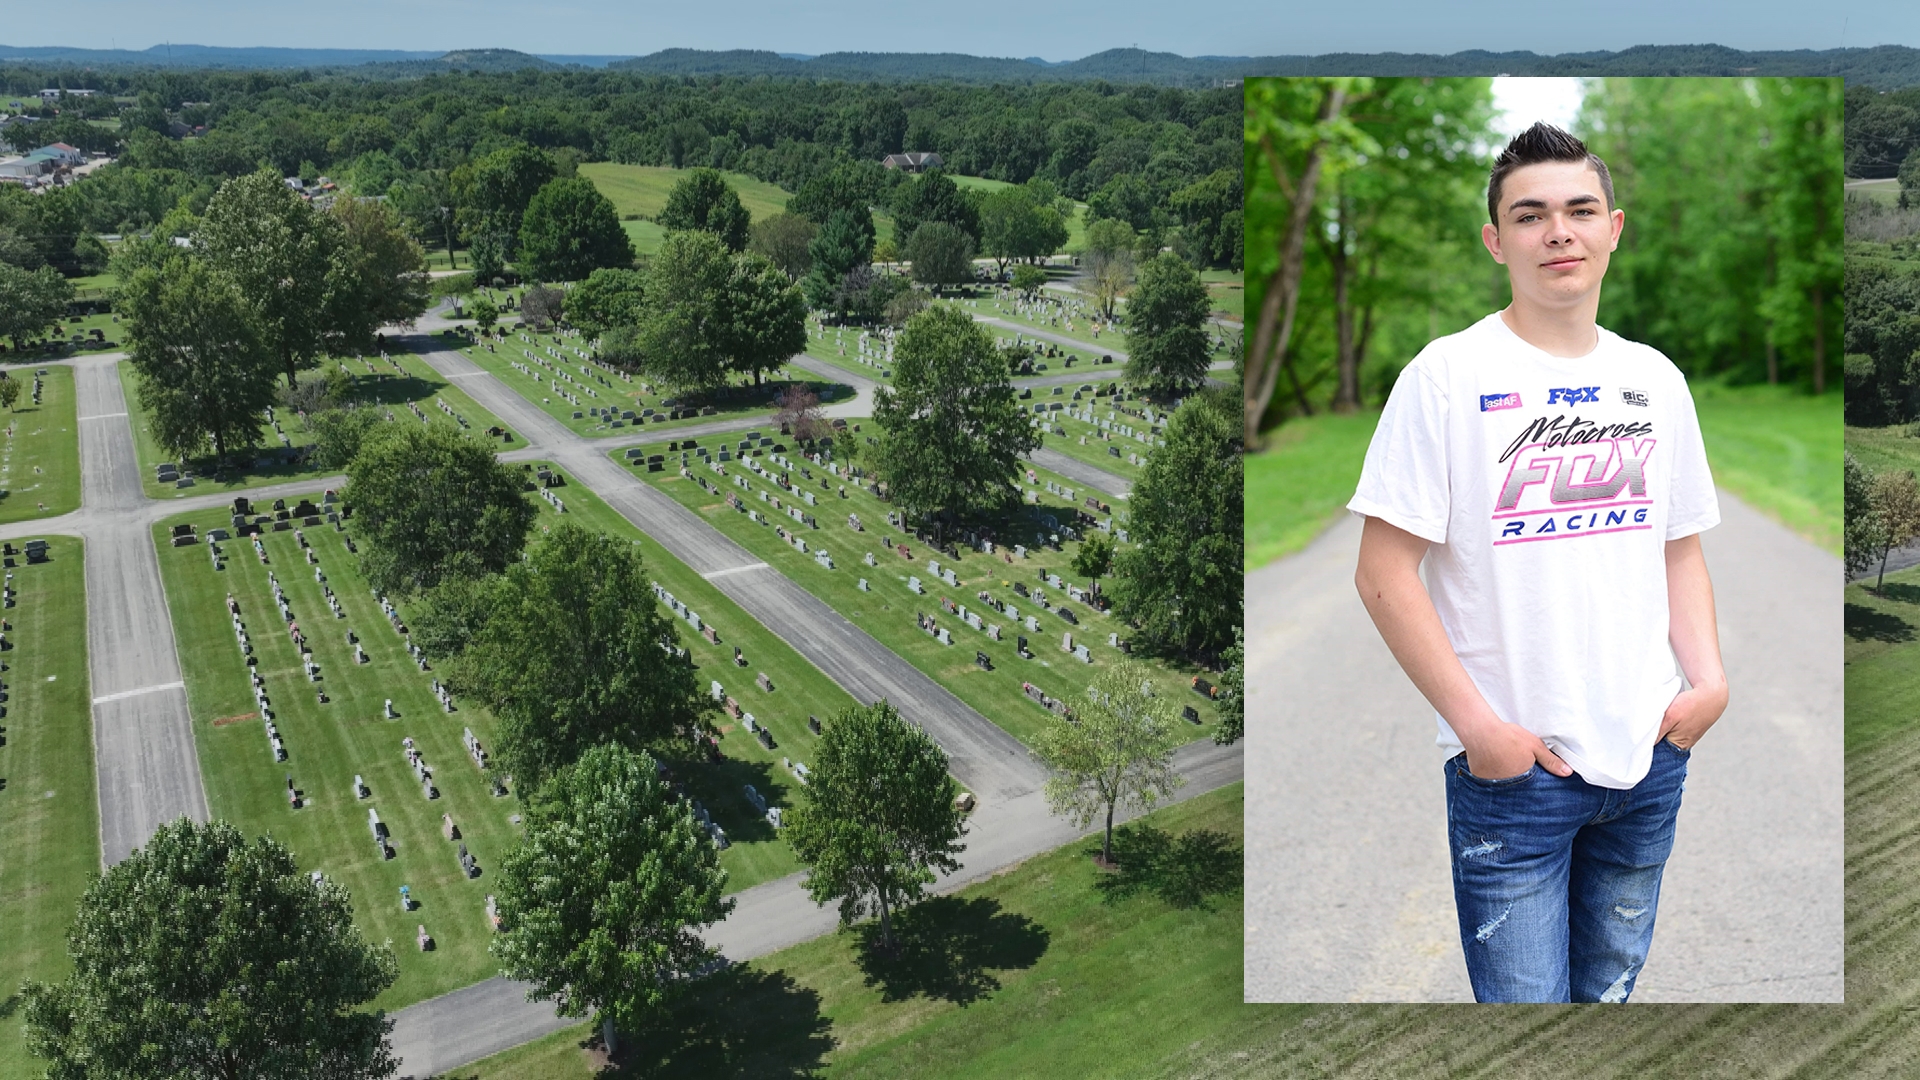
<point x="1573" y="395"/>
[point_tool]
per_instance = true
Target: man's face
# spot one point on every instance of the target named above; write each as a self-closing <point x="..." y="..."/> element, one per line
<point x="1555" y="234"/>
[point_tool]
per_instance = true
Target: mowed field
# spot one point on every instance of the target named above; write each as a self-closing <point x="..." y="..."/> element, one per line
<point x="40" y="447"/>
<point x="642" y="189"/>
<point x="49" y="826"/>
<point x="1050" y="969"/>
<point x="1886" y="191"/>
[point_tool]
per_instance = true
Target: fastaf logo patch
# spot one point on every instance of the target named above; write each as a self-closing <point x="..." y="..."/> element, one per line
<point x="1633" y="397"/>
<point x="1496" y="402"/>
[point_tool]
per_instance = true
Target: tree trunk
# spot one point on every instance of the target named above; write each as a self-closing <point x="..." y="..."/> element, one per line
<point x="1882" y="579"/>
<point x="886" y="923"/>
<point x="1773" y="363"/>
<point x="607" y="1035"/>
<point x="1346" y="397"/>
<point x="1283" y="288"/>
<point x="1106" y="848"/>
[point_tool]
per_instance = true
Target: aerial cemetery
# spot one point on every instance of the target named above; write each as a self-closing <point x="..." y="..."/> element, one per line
<point x="40" y="444"/>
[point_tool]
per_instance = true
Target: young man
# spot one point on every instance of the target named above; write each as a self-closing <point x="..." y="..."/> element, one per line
<point x="1550" y="474"/>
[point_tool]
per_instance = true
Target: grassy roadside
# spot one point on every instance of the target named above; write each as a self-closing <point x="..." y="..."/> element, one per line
<point x="48" y="812"/>
<point x="40" y="447"/>
<point x="1040" y="971"/>
<point x="1776" y="448"/>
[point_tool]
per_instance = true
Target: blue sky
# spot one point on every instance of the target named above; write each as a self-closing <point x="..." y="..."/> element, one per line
<point x="1057" y="30"/>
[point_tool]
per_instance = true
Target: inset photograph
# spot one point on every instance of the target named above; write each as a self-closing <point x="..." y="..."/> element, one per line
<point x="1544" y="657"/>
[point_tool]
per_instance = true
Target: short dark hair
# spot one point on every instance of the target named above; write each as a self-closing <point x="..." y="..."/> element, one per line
<point x="1539" y="143"/>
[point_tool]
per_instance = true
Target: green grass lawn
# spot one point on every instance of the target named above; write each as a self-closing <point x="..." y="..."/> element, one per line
<point x="596" y="386"/>
<point x="1300" y="482"/>
<point x="645" y="235"/>
<point x="887" y="609"/>
<point x="1228" y="288"/>
<point x="328" y="744"/>
<point x="40" y="448"/>
<point x="800" y="690"/>
<point x="47" y="806"/>
<point x="643" y="189"/>
<point x="1886" y="191"/>
<point x="1775" y="447"/>
<point x="1050" y="969"/>
<point x="394" y="383"/>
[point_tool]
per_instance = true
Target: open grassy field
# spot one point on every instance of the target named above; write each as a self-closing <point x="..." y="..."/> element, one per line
<point x="1776" y="448"/>
<point x="393" y="384"/>
<point x="40" y="448"/>
<point x="1228" y="288"/>
<point x="1886" y="191"/>
<point x="329" y="744"/>
<point x="642" y="190"/>
<point x="524" y="363"/>
<point x="800" y="690"/>
<point x="886" y="609"/>
<point x="1050" y="969"/>
<point x="47" y="805"/>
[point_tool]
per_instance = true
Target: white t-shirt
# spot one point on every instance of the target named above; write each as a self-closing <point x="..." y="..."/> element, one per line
<point x="1548" y="488"/>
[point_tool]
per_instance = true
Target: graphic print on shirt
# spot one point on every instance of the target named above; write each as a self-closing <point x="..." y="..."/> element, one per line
<point x="1568" y="477"/>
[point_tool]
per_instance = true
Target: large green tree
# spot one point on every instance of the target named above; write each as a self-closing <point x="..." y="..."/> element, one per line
<point x="602" y="902"/>
<point x="878" y="815"/>
<point x="566" y="649"/>
<point x="385" y="276"/>
<point x="1116" y="750"/>
<point x="491" y="195"/>
<point x="205" y="373"/>
<point x="769" y="316"/>
<point x="569" y="231"/>
<point x="784" y="238"/>
<point x="1862" y="526"/>
<point x="686" y="324"/>
<point x="1233" y="691"/>
<point x="1179" y="579"/>
<point x="1016" y="223"/>
<point x="704" y="200"/>
<point x="941" y="254"/>
<point x="844" y="245"/>
<point x="934" y="197"/>
<point x="951" y="431"/>
<point x="1166" y="325"/>
<point x="204" y="954"/>
<point x="608" y="298"/>
<point x="434" y="504"/>
<point x="32" y="302"/>
<point x="286" y="259"/>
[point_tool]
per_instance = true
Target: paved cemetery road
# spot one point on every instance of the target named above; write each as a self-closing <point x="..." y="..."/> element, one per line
<point x="1349" y="895"/>
<point x="486" y="1018"/>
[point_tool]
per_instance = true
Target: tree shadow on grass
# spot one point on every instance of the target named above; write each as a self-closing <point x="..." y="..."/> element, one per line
<point x="1185" y="870"/>
<point x="742" y="1022"/>
<point x="1900" y="592"/>
<point x="10" y="1005"/>
<point x="948" y="948"/>
<point x="1867" y="624"/>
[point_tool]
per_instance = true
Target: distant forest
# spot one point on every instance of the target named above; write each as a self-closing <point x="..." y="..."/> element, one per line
<point x="1886" y="66"/>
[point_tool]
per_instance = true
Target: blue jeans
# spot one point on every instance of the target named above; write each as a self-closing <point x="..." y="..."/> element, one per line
<point x="1556" y="880"/>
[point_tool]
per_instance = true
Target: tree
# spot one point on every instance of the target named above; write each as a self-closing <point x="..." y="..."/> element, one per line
<point x="1896" y="512"/>
<point x="905" y="305"/>
<point x="205" y="955"/>
<point x="796" y="410"/>
<point x="1029" y="279"/>
<point x="569" y="231"/>
<point x="9" y="391"/>
<point x="434" y="504"/>
<point x="32" y="302"/>
<point x="338" y="433"/>
<point x="1909" y="177"/>
<point x="768" y="313"/>
<point x="1166" y="325"/>
<point x="1862" y="528"/>
<point x="1180" y="581"/>
<point x="878" y="815"/>
<point x="566" y="651"/>
<point x="785" y="238"/>
<point x="286" y="259"/>
<point x="941" y="255"/>
<point x="1094" y="559"/>
<point x="384" y="279"/>
<point x="933" y="197"/>
<point x="1205" y="211"/>
<point x="851" y="186"/>
<point x="1109" y="263"/>
<point x="1117" y="750"/>
<point x="1016" y="224"/>
<point x="205" y="372"/>
<point x="951" y="431"/>
<point x="1233" y="692"/>
<point x="609" y="297"/>
<point x="601" y="903"/>
<point x="483" y="312"/>
<point x="704" y="200"/>
<point x="686" y="327"/>
<point x="844" y="245"/>
<point x="541" y="306"/>
<point x="491" y="194"/>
